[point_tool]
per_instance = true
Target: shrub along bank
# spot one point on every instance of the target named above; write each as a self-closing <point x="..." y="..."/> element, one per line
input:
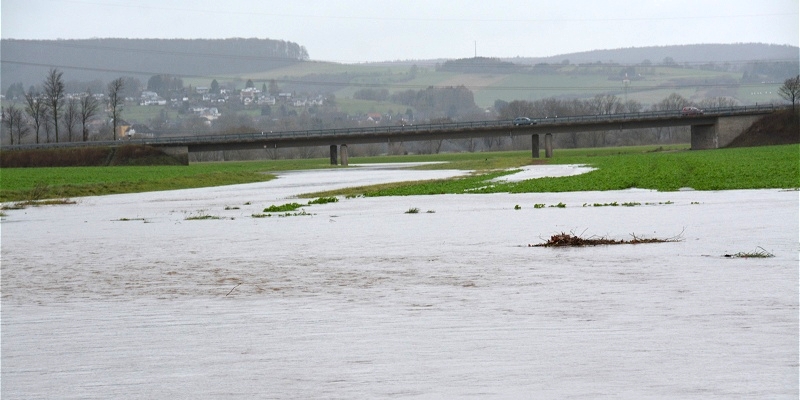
<point x="87" y="157"/>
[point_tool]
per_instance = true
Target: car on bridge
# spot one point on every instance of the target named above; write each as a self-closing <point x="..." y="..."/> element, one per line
<point x="691" y="111"/>
<point x="523" y="121"/>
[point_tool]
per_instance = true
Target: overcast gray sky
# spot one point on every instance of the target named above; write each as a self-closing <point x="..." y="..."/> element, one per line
<point x="353" y="31"/>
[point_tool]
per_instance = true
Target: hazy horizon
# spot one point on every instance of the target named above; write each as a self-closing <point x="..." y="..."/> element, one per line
<point x="358" y="31"/>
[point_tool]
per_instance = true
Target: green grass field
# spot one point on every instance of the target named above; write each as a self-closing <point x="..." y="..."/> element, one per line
<point x="646" y="167"/>
<point x="617" y="169"/>
<point x="18" y="184"/>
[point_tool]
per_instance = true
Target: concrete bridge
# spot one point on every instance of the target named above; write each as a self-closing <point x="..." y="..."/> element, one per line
<point x="712" y="129"/>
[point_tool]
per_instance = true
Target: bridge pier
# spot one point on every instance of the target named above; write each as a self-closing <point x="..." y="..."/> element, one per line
<point x="704" y="137"/>
<point x="343" y="154"/>
<point x="334" y="161"/>
<point x="548" y="145"/>
<point x="535" y="145"/>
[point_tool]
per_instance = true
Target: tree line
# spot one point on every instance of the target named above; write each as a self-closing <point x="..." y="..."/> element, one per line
<point x="51" y="110"/>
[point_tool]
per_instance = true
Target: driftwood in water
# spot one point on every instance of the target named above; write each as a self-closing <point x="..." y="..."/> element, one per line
<point x="568" y="240"/>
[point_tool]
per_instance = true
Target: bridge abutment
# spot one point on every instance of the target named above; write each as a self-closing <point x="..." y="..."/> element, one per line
<point x="180" y="153"/>
<point x="730" y="128"/>
<point x="722" y="132"/>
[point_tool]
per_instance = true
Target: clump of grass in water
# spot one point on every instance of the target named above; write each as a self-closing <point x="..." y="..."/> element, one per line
<point x="282" y="208"/>
<point x="36" y="203"/>
<point x="759" y="252"/>
<point x="413" y="210"/>
<point x="286" y="214"/>
<point x="131" y="219"/>
<point x="201" y="217"/>
<point x="323" y="200"/>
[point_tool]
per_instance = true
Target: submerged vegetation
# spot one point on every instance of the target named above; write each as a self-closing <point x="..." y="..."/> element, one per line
<point x="759" y="252"/>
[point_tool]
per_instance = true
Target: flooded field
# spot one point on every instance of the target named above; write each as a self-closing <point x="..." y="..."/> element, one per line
<point x="183" y="294"/>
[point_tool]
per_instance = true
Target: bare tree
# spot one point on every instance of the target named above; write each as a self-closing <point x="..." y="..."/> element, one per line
<point x="36" y="108"/>
<point x="14" y="120"/>
<point x="606" y="104"/>
<point x="633" y="106"/>
<point x="672" y="102"/>
<point x="517" y="108"/>
<point x="89" y="106"/>
<point x="71" y="116"/>
<point x="115" y="102"/>
<point x="790" y="90"/>
<point x="54" y="93"/>
<point x="47" y="122"/>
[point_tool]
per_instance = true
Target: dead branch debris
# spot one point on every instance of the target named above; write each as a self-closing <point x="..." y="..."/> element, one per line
<point x="569" y="240"/>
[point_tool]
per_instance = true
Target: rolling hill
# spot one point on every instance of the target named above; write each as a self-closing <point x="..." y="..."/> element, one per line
<point x="749" y="73"/>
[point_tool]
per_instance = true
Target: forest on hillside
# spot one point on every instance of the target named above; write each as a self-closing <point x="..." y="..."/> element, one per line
<point x="26" y="61"/>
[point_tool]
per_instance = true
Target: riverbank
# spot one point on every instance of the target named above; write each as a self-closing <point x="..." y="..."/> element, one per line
<point x="617" y="168"/>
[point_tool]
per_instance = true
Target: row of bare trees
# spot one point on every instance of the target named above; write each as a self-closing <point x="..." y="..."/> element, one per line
<point x="52" y="109"/>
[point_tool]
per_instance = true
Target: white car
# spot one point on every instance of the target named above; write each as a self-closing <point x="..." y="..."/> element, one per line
<point x="691" y="111"/>
<point x="523" y="121"/>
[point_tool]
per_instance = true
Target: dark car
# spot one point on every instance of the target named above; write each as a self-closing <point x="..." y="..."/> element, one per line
<point x="523" y="121"/>
<point x="691" y="111"/>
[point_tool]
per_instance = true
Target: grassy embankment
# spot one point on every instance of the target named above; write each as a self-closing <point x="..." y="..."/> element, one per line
<point x="618" y="168"/>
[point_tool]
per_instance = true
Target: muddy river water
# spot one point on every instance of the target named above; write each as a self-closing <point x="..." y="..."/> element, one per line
<point x="128" y="296"/>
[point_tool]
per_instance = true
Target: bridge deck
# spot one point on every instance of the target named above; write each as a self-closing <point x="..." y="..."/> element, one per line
<point x="403" y="133"/>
